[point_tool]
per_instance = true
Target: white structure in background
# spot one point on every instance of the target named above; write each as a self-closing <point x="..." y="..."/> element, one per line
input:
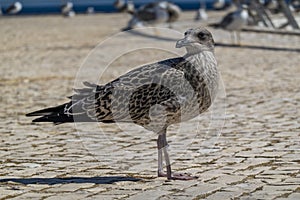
<point x="15" y="8"/>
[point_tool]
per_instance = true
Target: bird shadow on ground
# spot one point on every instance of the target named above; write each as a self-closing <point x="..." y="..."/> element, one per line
<point x="257" y="47"/>
<point x="53" y="181"/>
<point x="157" y="36"/>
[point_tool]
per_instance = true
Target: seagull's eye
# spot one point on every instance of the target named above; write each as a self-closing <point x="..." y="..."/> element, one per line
<point x="201" y="35"/>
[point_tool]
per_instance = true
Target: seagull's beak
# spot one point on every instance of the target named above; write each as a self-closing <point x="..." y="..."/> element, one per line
<point x="183" y="42"/>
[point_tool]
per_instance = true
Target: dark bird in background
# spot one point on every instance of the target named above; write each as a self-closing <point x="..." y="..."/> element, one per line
<point x="15" y="8"/>
<point x="234" y="22"/>
<point x="154" y="13"/>
<point x="124" y="6"/>
<point x="153" y="96"/>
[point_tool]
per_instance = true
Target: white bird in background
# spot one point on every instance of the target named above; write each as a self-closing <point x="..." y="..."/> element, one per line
<point x="130" y="7"/>
<point x="15" y="8"/>
<point x="234" y="22"/>
<point x="90" y="10"/>
<point x="201" y="12"/>
<point x="67" y="9"/>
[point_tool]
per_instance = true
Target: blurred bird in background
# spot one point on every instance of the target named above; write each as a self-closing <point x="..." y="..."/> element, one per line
<point x="295" y="5"/>
<point x="201" y="12"/>
<point x="221" y="4"/>
<point x="67" y="9"/>
<point x="154" y="13"/>
<point x="124" y="6"/>
<point x="90" y="10"/>
<point x="234" y="22"/>
<point x="13" y="9"/>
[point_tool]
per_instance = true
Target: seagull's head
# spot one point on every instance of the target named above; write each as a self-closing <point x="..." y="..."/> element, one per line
<point x="196" y="40"/>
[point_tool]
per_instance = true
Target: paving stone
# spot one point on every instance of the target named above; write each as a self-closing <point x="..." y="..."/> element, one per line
<point x="266" y="195"/>
<point x="223" y="195"/>
<point x="96" y="189"/>
<point x="6" y="192"/>
<point x="272" y="188"/>
<point x="150" y="194"/>
<point x="70" y="187"/>
<point x="247" y="198"/>
<point x="293" y="180"/>
<point x="72" y="196"/>
<point x="253" y="171"/>
<point x="271" y="154"/>
<point x="32" y="195"/>
<point x="120" y="192"/>
<point x="106" y="197"/>
<point x="228" y="179"/>
<point x="294" y="196"/>
<point x="200" y="190"/>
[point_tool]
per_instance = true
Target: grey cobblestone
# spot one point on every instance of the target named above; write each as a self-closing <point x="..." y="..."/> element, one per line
<point x="255" y="157"/>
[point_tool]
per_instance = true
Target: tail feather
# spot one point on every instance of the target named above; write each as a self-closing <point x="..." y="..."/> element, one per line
<point x="52" y="114"/>
<point x="46" y="111"/>
<point x="57" y="115"/>
<point x="80" y="109"/>
<point x="54" y="118"/>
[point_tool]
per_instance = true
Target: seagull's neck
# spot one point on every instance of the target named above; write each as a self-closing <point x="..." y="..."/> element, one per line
<point x="197" y="51"/>
<point x="203" y="66"/>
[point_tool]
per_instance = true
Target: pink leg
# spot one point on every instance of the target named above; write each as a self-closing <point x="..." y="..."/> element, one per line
<point x="162" y="146"/>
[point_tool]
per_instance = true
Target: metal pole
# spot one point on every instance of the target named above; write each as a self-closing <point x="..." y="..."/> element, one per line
<point x="288" y="14"/>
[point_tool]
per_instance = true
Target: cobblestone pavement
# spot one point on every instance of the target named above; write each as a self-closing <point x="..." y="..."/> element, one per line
<point x="255" y="157"/>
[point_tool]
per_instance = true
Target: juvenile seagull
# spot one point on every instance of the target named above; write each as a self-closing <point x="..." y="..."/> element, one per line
<point x="153" y="96"/>
<point x="15" y="8"/>
<point x="234" y="22"/>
